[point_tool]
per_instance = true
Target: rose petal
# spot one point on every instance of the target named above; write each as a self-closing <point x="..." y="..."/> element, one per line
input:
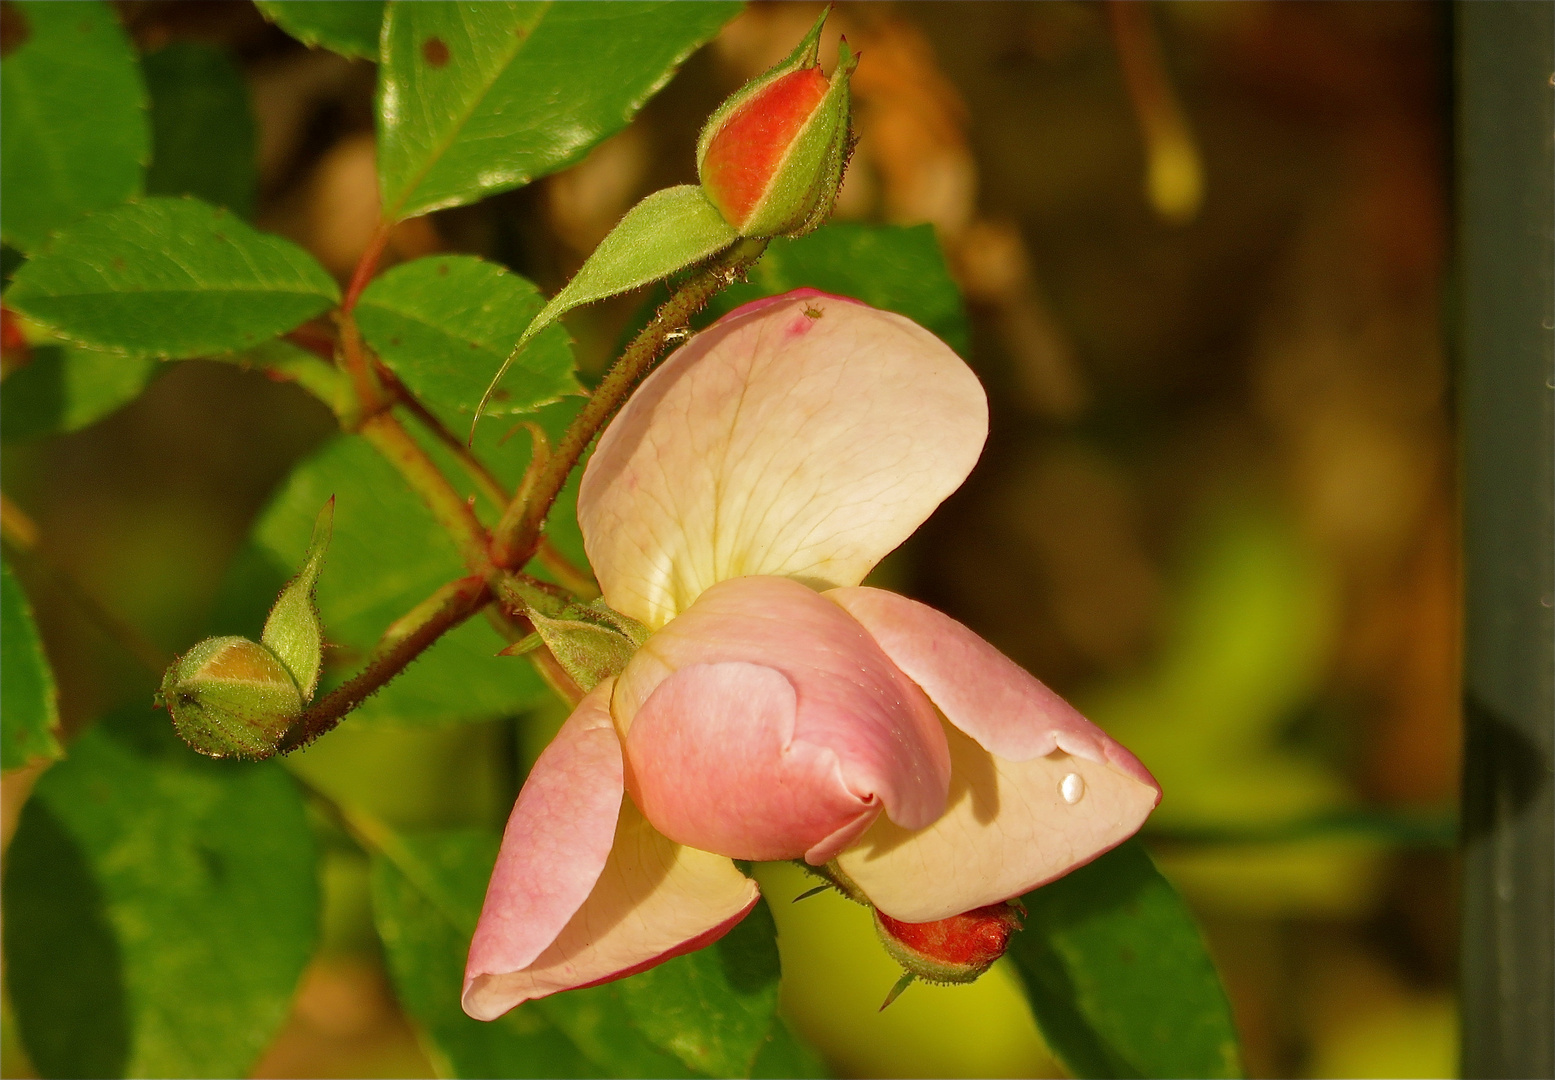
<point x="557" y="840"/>
<point x="1007" y="830"/>
<point x="764" y="723"/>
<point x="653" y="900"/>
<point x="1009" y="826"/>
<point x="978" y="688"/>
<point x="777" y="443"/>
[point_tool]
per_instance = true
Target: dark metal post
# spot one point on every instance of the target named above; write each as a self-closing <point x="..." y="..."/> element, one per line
<point x="1506" y="341"/>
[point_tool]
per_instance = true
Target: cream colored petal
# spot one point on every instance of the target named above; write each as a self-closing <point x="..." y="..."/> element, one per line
<point x="654" y="899"/>
<point x="1010" y="826"/>
<point x="802" y="437"/>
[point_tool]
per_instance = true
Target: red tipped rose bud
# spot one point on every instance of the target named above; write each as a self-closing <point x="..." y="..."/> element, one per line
<point x="13" y="343"/>
<point x="771" y="158"/>
<point x="953" y="950"/>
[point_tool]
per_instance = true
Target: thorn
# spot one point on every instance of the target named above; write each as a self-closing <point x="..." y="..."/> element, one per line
<point x="809" y="893"/>
<point x="896" y="991"/>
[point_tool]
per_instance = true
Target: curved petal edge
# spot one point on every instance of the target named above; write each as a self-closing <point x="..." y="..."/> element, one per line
<point x="654" y="900"/>
<point x="804" y="437"/>
<point x="979" y="689"/>
<point x="557" y="842"/>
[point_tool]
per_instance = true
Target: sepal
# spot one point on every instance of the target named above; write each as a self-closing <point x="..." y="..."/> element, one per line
<point x="294" y="632"/>
<point x="665" y="233"/>
<point x="592" y="642"/>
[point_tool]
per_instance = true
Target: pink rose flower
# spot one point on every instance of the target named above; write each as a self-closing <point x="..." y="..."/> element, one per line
<point x="780" y="710"/>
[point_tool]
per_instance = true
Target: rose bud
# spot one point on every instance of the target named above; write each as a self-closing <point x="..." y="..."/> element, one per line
<point x="13" y="343"/>
<point x="771" y="158"/>
<point x="231" y="697"/>
<point x="953" y="950"/>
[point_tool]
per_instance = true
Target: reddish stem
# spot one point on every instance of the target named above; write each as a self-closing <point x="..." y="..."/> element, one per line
<point x="366" y="266"/>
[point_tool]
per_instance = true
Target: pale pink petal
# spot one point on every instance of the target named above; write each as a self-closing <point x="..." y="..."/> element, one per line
<point x="653" y="900"/>
<point x="978" y="688"/>
<point x="557" y="841"/>
<point x="764" y="723"/>
<point x="802" y="437"/>
<point x="1008" y="829"/>
<point x="1036" y="790"/>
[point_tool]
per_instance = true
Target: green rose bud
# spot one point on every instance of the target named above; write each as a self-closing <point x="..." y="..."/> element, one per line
<point x="231" y="697"/>
<point x="771" y="158"/>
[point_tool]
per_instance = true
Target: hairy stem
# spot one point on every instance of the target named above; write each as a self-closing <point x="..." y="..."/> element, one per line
<point x="485" y="482"/>
<point x="370" y="398"/>
<point x="406" y="639"/>
<point x="517" y="535"/>
<point x="573" y="577"/>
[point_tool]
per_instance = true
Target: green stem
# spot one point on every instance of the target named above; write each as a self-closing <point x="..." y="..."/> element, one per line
<point x="451" y="510"/>
<point x="517" y="535"/>
<point x="574" y="578"/>
<point x="485" y="482"/>
<point x="406" y="639"/>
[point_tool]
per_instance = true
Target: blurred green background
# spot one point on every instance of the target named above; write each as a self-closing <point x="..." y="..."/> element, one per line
<point x="1202" y="250"/>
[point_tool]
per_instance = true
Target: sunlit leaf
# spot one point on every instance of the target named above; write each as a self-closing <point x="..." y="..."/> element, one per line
<point x="478" y="98"/>
<point x="73" y="133"/>
<point x="202" y="127"/>
<point x="64" y="388"/>
<point x="159" y="907"/>
<point x="348" y="27"/>
<point x="665" y="233"/>
<point x="169" y="278"/>
<point x="446" y="324"/>
<point x="1118" y="977"/>
<point x="29" y="709"/>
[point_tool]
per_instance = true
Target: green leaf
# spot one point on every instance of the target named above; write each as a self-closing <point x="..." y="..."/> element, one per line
<point x="202" y="127"/>
<point x="478" y="98"/>
<point x="65" y="388"/>
<point x="73" y="134"/>
<point x="713" y="1008"/>
<point x="388" y="554"/>
<point x="666" y="232"/>
<point x="159" y="907"/>
<point x="348" y="27"/>
<point x="897" y="268"/>
<point x="707" y="1013"/>
<point x="293" y="632"/>
<point x="785" y="1055"/>
<point x="29" y="704"/>
<point x="1118" y="976"/>
<point x="170" y="278"/>
<point x="444" y="324"/>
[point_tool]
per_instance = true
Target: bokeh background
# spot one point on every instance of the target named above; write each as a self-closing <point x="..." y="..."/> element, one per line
<point x="1201" y="247"/>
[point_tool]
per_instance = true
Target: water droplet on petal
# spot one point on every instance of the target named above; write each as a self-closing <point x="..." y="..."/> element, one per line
<point x="1072" y="788"/>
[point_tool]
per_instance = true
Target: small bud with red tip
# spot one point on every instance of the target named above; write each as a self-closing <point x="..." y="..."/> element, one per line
<point x="771" y="158"/>
<point x="954" y="950"/>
